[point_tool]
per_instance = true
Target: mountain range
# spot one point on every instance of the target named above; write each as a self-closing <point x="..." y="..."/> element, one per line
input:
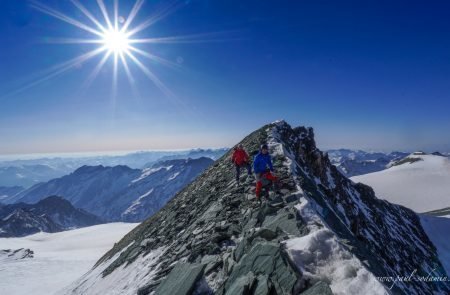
<point x="357" y="162"/>
<point x="27" y="172"/>
<point x="320" y="234"/>
<point x="119" y="193"/>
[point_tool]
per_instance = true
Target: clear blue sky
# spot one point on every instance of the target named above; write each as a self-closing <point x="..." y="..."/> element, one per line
<point x="364" y="74"/>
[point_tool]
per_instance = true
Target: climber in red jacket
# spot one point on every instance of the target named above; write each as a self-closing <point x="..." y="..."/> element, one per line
<point x="240" y="160"/>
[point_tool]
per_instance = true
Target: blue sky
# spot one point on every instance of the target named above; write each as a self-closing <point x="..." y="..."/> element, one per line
<point x="365" y="74"/>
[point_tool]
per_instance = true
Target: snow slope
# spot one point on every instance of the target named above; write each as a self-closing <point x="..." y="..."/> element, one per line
<point x="422" y="186"/>
<point x="59" y="258"/>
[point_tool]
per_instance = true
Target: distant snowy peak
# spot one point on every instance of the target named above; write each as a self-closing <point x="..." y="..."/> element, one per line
<point x="415" y="157"/>
<point x="419" y="181"/>
<point x="22" y="222"/>
<point x="52" y="214"/>
<point x="357" y="162"/>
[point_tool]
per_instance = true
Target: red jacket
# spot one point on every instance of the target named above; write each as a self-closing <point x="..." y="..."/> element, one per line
<point x="239" y="157"/>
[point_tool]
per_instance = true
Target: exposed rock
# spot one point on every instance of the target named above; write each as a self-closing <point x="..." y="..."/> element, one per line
<point x="18" y="254"/>
<point x="320" y="288"/>
<point x="181" y="280"/>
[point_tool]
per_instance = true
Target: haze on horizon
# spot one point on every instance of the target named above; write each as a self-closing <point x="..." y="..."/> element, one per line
<point x="370" y="76"/>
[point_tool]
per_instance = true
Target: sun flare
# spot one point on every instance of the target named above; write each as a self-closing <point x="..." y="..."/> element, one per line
<point x="116" y="41"/>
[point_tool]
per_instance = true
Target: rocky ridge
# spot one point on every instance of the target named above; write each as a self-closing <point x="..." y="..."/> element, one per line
<point x="212" y="239"/>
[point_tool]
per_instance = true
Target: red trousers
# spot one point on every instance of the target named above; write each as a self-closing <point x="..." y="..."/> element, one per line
<point x="266" y="175"/>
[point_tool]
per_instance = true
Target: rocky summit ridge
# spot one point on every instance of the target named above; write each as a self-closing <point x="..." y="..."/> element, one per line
<point x="323" y="234"/>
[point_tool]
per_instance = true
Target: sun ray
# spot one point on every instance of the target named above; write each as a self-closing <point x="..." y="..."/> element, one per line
<point x="73" y="41"/>
<point x="156" y="58"/>
<point x="134" y="11"/>
<point x="50" y="11"/>
<point x="114" y="38"/>
<point x="129" y="75"/>
<point x="127" y="69"/>
<point x="115" y="76"/>
<point x="87" y="83"/>
<point x="193" y="38"/>
<point x="164" y="12"/>
<point x="102" y="6"/>
<point x="88" y="14"/>
<point x="152" y="76"/>
<point x="60" y="69"/>
<point x="116" y="15"/>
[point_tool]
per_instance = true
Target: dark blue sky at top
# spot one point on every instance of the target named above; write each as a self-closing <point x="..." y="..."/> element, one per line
<point x="364" y="74"/>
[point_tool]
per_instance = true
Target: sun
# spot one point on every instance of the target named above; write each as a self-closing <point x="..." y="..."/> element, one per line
<point x="116" y="41"/>
<point x="115" y="38"/>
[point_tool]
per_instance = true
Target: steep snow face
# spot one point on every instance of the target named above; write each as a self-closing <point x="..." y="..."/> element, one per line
<point x="119" y="193"/>
<point x="421" y="183"/>
<point x="59" y="258"/>
<point x="216" y="238"/>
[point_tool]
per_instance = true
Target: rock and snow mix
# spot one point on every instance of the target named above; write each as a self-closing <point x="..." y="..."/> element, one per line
<point x="319" y="232"/>
<point x="319" y="255"/>
<point x="59" y="258"/>
<point x="127" y="279"/>
<point x="322" y="257"/>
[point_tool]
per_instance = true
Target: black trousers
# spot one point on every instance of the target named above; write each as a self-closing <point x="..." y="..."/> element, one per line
<point x="238" y="170"/>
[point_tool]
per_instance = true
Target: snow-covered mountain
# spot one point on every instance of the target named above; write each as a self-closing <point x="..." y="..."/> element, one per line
<point x="52" y="214"/>
<point x="120" y="193"/>
<point x="21" y="223"/>
<point x="323" y="235"/>
<point x="357" y="162"/>
<point x="28" y="172"/>
<point x="43" y="263"/>
<point x="419" y="181"/>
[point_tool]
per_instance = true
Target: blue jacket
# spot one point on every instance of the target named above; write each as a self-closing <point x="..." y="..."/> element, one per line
<point x="261" y="163"/>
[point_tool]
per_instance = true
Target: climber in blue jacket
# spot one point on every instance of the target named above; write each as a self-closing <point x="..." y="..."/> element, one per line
<point x="262" y="166"/>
